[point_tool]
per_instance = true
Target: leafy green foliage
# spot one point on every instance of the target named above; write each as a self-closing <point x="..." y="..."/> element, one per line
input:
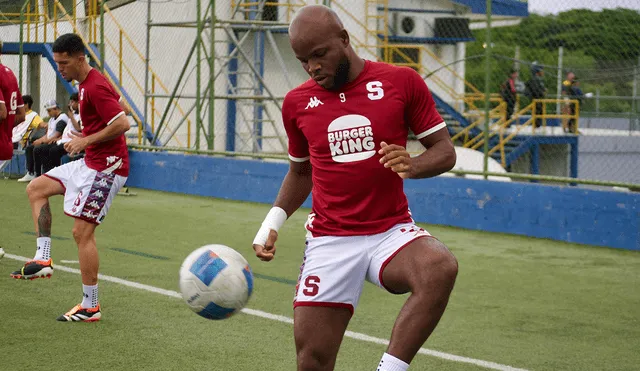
<point x="602" y="48"/>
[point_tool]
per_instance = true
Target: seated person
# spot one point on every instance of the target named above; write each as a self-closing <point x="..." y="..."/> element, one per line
<point x="38" y="151"/>
<point x="73" y="128"/>
<point x="22" y="131"/>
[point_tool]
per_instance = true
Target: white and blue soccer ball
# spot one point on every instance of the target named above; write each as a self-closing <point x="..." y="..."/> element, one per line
<point x="1" y="253"/>
<point x="216" y="281"/>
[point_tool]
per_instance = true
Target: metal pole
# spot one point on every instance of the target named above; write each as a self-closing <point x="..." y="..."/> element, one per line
<point x="198" y="73"/>
<point x="175" y="90"/>
<point x="102" y="37"/>
<point x="146" y="64"/>
<point x="487" y="91"/>
<point x="21" y="42"/>
<point x="253" y="69"/>
<point x="276" y="53"/>
<point x="559" y="86"/>
<point x="212" y="59"/>
<point x="634" y="104"/>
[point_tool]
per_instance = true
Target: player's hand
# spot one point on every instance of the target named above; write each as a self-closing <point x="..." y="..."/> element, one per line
<point x="268" y="251"/>
<point x="77" y="144"/>
<point x="396" y="158"/>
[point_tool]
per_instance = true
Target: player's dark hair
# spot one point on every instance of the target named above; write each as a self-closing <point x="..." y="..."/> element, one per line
<point x="74" y="97"/>
<point x="69" y="43"/>
<point x="27" y="100"/>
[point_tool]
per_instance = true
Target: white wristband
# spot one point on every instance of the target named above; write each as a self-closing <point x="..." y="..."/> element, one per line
<point x="274" y="220"/>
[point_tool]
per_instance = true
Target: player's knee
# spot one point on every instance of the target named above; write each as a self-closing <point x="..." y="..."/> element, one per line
<point x="439" y="266"/>
<point x="80" y="234"/>
<point x="34" y="190"/>
<point x="312" y="360"/>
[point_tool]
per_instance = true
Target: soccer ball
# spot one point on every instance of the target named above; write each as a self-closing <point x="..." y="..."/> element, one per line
<point x="216" y="281"/>
<point x="1" y="253"/>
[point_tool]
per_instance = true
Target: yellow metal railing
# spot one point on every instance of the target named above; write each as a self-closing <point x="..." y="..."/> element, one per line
<point x="499" y="128"/>
<point x="39" y="23"/>
<point x="95" y="58"/>
<point x="124" y="38"/>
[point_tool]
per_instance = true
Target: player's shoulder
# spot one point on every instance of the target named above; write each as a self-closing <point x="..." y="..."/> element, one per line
<point x="391" y="72"/>
<point x="94" y="80"/>
<point x="300" y="92"/>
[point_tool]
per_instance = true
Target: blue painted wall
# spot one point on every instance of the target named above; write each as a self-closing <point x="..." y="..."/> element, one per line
<point x="561" y="213"/>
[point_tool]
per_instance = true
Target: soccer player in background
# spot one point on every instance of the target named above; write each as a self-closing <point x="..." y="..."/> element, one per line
<point x="347" y="128"/>
<point x="88" y="185"/>
<point x="11" y="112"/>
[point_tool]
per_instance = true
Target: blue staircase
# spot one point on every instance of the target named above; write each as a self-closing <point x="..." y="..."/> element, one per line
<point x="513" y="149"/>
<point x="148" y="133"/>
<point x="456" y="122"/>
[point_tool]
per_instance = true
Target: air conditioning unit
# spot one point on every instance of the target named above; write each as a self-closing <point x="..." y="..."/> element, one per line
<point x="406" y="24"/>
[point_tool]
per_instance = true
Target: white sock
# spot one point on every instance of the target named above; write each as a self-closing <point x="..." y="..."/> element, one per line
<point x="44" y="248"/>
<point x="391" y="363"/>
<point x="89" y="296"/>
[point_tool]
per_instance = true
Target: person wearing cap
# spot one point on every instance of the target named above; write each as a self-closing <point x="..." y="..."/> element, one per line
<point x="37" y="154"/>
<point x="577" y="94"/>
<point x="535" y="89"/>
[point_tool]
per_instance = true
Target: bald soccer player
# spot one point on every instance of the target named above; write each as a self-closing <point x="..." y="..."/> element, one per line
<point x="347" y="129"/>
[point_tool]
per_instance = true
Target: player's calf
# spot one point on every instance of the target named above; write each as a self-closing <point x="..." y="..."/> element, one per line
<point x="318" y="333"/>
<point x="428" y="270"/>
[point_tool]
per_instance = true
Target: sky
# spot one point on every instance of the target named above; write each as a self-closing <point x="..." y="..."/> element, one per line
<point x="557" y="6"/>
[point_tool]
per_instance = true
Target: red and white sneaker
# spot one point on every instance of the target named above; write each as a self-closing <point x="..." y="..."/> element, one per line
<point x="34" y="269"/>
<point x="80" y="314"/>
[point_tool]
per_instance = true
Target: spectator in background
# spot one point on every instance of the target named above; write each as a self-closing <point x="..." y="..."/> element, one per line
<point x="577" y="94"/>
<point x="32" y="121"/>
<point x="535" y="89"/>
<point x="567" y="92"/>
<point x="509" y="94"/>
<point x="38" y="152"/>
<point x="74" y="127"/>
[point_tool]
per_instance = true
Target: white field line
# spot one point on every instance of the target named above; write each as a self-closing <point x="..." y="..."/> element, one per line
<point x="275" y="317"/>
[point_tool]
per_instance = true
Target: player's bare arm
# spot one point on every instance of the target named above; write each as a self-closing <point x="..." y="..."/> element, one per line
<point x="295" y="189"/>
<point x="439" y="157"/>
<point x="74" y="122"/>
<point x="54" y="138"/>
<point x="79" y="143"/>
<point x="125" y="107"/>
<point x="3" y="111"/>
<point x="20" y="115"/>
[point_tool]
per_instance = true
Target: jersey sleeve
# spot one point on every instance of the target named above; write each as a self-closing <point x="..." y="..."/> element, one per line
<point x="420" y="111"/>
<point x="106" y="104"/>
<point x="298" y="144"/>
<point x="19" y="98"/>
<point x="61" y="124"/>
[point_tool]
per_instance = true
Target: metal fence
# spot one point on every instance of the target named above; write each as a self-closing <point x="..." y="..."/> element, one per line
<point x="534" y="91"/>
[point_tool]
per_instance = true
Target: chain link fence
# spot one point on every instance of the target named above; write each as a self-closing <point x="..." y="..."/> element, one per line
<point x="568" y="80"/>
<point x="559" y="87"/>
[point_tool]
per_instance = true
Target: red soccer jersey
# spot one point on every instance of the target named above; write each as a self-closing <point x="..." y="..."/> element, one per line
<point x="340" y="132"/>
<point x="99" y="107"/>
<point x="12" y="99"/>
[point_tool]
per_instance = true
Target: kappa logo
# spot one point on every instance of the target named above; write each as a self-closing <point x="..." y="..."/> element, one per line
<point x="314" y="102"/>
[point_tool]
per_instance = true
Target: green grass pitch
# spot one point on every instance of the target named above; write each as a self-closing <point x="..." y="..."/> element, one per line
<point x="527" y="303"/>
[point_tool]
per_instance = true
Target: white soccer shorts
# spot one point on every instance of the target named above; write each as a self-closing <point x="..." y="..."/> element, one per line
<point x="88" y="193"/>
<point x="334" y="269"/>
